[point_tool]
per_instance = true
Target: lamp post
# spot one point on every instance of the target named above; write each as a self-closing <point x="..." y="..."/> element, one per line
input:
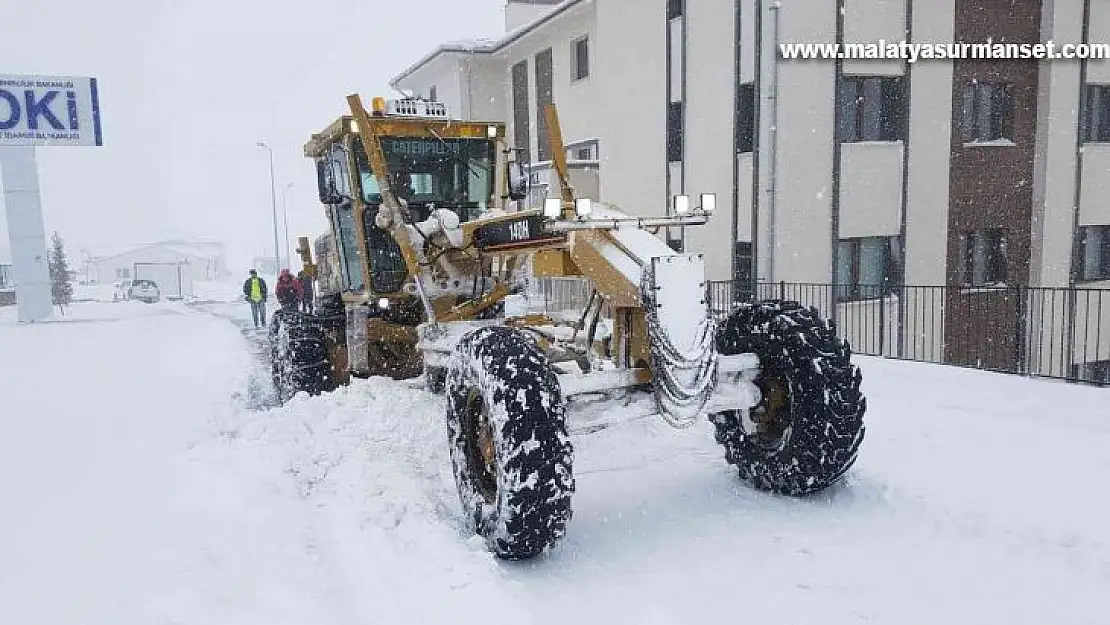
<point x="285" y="210"/>
<point x="273" y="205"/>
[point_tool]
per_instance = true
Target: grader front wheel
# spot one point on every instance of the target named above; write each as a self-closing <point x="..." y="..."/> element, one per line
<point x="298" y="355"/>
<point x="806" y="431"/>
<point x="509" y="445"/>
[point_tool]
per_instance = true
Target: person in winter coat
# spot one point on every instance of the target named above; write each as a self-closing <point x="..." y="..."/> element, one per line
<point x="254" y="291"/>
<point x="289" y="291"/>
<point x="306" y="289"/>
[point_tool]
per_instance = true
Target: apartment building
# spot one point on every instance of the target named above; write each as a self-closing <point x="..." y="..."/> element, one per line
<point x="968" y="175"/>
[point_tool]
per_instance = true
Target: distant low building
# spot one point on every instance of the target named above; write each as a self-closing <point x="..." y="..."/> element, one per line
<point x="205" y="260"/>
<point x="265" y="265"/>
<point x="7" y="285"/>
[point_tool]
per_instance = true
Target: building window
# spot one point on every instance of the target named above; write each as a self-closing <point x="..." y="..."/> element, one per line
<point x="867" y="267"/>
<point x="745" y="122"/>
<point x="675" y="8"/>
<point x="1094" y="252"/>
<point x="1096" y="118"/>
<point x="872" y="108"/>
<point x="674" y="239"/>
<point x="543" y="98"/>
<point x="123" y="273"/>
<point x="432" y="94"/>
<point x="521" y="129"/>
<point x="674" y="132"/>
<point x="676" y="61"/>
<point x="584" y="151"/>
<point x="988" y="112"/>
<point x="743" y="289"/>
<point x="580" y="58"/>
<point x="676" y="235"/>
<point x="983" y="258"/>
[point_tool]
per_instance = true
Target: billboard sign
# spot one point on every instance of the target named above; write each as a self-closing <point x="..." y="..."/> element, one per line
<point x="49" y="111"/>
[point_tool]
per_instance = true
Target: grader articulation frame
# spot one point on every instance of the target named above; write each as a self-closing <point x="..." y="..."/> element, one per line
<point x="423" y="255"/>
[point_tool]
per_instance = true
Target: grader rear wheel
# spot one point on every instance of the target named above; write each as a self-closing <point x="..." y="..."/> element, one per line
<point x="509" y="445"/>
<point x="806" y="431"/>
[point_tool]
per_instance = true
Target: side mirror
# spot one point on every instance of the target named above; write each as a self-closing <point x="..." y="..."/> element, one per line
<point x="518" y="181"/>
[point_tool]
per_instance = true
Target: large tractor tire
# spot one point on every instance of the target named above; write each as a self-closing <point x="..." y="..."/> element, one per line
<point x="298" y="355"/>
<point x="509" y="445"/>
<point x="807" y="429"/>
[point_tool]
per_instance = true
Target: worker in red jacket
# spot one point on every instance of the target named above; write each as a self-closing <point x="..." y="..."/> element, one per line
<point x="289" y="291"/>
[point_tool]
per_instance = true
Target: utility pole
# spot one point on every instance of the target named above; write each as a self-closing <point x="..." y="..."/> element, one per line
<point x="273" y="205"/>
<point x="285" y="210"/>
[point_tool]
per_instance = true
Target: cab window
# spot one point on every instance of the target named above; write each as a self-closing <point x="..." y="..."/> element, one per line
<point x="349" y="256"/>
<point x="455" y="174"/>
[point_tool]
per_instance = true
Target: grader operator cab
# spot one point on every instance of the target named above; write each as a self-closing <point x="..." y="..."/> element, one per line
<point x="428" y="240"/>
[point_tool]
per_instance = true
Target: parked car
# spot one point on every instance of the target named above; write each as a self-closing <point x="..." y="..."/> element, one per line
<point x="144" y="291"/>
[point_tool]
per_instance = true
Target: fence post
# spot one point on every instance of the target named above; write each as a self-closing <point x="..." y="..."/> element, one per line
<point x="882" y="325"/>
<point x="1019" y="330"/>
<point x="901" y="321"/>
<point x="782" y="289"/>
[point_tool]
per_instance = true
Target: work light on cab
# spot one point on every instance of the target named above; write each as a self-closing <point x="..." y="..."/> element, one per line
<point x="708" y="202"/>
<point x="680" y="204"/>
<point x="552" y="208"/>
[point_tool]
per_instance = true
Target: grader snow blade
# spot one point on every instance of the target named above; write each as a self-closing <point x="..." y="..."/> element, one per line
<point x="437" y="243"/>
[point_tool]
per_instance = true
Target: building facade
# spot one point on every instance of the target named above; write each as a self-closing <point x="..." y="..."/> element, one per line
<point x="203" y="260"/>
<point x="966" y="176"/>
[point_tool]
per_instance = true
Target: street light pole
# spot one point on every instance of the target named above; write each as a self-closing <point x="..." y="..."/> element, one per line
<point x="273" y="205"/>
<point x="285" y="210"/>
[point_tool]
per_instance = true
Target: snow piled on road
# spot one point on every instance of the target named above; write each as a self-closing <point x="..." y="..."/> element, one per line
<point x="151" y="482"/>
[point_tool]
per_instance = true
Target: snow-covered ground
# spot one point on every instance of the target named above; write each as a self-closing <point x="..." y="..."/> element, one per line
<point x="147" y="478"/>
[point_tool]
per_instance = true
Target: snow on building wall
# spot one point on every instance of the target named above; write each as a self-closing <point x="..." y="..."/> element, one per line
<point x="858" y="173"/>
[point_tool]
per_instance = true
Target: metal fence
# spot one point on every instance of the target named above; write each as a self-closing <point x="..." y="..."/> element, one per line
<point x="1061" y="333"/>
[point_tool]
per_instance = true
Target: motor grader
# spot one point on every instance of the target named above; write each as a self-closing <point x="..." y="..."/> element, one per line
<point x="430" y="243"/>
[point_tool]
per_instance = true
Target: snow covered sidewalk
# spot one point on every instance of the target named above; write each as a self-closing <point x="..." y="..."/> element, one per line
<point x="144" y="483"/>
<point x="112" y="511"/>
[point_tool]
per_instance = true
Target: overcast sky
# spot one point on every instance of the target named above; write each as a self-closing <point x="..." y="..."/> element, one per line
<point x="187" y="87"/>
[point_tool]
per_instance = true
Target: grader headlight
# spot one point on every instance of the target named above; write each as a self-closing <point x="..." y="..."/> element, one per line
<point x="552" y="207"/>
<point x="582" y="207"/>
<point x="708" y="202"/>
<point x="680" y="204"/>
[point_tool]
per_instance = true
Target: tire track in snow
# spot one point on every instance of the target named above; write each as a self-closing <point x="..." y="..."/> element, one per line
<point x="259" y="392"/>
<point x="370" y="463"/>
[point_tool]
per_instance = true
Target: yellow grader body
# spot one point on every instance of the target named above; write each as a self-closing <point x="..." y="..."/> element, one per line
<point x="428" y="256"/>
